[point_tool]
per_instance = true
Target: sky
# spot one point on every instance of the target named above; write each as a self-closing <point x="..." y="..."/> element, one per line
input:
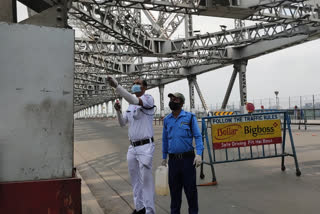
<point x="293" y="71"/>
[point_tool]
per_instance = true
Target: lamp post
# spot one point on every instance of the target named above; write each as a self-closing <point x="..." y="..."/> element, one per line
<point x="277" y="99"/>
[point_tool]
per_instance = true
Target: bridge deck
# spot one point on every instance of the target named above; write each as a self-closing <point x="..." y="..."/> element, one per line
<point x="244" y="188"/>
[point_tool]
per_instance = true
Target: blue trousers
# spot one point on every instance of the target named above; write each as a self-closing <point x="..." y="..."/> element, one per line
<point x="182" y="174"/>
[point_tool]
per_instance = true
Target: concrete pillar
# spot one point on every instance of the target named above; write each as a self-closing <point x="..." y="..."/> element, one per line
<point x="108" y="104"/>
<point x="99" y="110"/>
<point x="107" y="108"/>
<point x="95" y="110"/>
<point x="191" y="93"/>
<point x="6" y="11"/>
<point x="104" y="109"/>
<point x="92" y="111"/>
<point x="161" y="91"/>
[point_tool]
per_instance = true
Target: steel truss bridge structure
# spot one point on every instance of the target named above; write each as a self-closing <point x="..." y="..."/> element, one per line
<point x="112" y="38"/>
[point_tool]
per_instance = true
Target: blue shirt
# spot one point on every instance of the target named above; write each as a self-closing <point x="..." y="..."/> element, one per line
<point x="177" y="136"/>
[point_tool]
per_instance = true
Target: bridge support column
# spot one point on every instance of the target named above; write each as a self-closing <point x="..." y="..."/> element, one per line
<point x="241" y="67"/>
<point x="107" y="108"/>
<point x="191" y="81"/>
<point x="161" y="91"/>
<point x="54" y="16"/>
<point x="204" y="105"/>
<point x="104" y="112"/>
<point x="229" y="89"/>
<point x="8" y="11"/>
<point x="95" y="111"/>
<point x="101" y="110"/>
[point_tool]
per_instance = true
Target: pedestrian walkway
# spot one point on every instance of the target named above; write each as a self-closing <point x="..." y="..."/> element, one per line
<point x="249" y="187"/>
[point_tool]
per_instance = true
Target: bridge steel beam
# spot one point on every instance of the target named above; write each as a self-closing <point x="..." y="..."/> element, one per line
<point x="229" y="89"/>
<point x="191" y="84"/>
<point x="203" y="101"/>
<point x="240" y="66"/>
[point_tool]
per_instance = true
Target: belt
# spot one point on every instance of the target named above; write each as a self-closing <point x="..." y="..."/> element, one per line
<point x="183" y="155"/>
<point x="141" y="142"/>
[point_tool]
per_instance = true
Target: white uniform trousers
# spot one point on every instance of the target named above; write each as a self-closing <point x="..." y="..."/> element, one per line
<point x="140" y="169"/>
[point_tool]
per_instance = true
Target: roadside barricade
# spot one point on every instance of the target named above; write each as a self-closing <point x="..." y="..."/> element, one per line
<point x="247" y="137"/>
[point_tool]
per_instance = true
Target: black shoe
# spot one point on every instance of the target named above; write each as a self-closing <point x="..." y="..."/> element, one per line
<point x="142" y="211"/>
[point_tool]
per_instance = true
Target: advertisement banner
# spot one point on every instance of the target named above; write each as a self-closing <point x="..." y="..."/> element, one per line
<point x="242" y="131"/>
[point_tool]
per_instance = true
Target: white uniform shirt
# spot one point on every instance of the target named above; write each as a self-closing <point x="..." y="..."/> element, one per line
<point x="140" y="119"/>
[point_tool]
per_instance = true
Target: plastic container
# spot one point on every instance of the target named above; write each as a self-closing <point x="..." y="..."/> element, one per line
<point x="161" y="176"/>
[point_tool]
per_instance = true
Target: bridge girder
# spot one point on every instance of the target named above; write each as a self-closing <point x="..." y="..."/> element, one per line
<point x="115" y="40"/>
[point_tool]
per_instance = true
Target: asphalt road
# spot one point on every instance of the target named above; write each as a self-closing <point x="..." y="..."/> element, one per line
<point x="248" y="187"/>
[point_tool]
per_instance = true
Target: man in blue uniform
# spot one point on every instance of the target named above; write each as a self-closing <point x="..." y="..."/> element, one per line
<point x="179" y="129"/>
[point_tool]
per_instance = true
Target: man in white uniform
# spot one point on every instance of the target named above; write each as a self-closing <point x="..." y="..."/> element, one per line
<point x="140" y="153"/>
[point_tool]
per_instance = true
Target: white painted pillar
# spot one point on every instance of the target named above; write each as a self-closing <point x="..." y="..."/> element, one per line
<point x="104" y="109"/>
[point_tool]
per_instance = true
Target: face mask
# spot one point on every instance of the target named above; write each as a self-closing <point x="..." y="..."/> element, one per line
<point x="136" y="88"/>
<point x="174" y="106"/>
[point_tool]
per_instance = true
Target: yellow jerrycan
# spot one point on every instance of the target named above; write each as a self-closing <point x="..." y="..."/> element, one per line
<point x="161" y="176"/>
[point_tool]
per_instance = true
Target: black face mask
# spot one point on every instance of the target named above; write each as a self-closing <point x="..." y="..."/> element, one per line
<point x="174" y="106"/>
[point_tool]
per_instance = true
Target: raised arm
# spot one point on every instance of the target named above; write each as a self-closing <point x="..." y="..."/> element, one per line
<point x="130" y="98"/>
